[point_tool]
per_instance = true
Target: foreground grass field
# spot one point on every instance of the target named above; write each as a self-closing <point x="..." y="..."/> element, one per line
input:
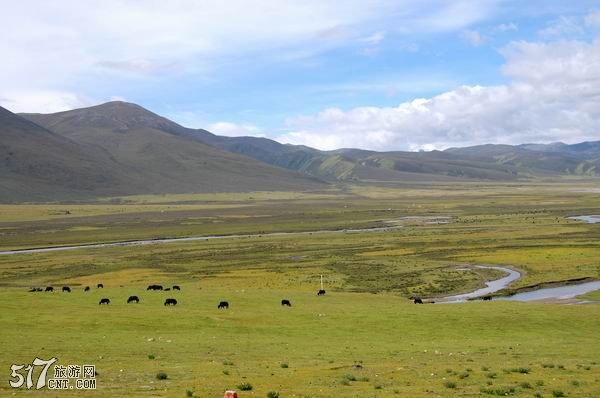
<point x="342" y="344"/>
<point x="364" y="338"/>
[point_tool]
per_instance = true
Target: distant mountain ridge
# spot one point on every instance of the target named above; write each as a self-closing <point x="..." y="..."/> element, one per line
<point x="126" y="149"/>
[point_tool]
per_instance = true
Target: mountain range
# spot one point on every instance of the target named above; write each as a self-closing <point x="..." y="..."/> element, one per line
<point x="120" y="148"/>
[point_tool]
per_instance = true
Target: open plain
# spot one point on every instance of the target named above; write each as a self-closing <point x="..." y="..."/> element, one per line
<point x="376" y="247"/>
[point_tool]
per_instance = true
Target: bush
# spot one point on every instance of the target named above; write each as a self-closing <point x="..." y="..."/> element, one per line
<point x="161" y="376"/>
<point x="520" y="370"/>
<point x="272" y="394"/>
<point x="189" y="393"/>
<point x="245" y="386"/>
<point x="284" y="365"/>
<point x="151" y="356"/>
<point x="525" y="385"/>
<point x="505" y="391"/>
<point x="450" y="384"/>
<point x="558" y="393"/>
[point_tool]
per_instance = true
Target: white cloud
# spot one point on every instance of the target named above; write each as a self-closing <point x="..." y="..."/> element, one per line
<point x="473" y="37"/>
<point x="563" y="26"/>
<point x="593" y="19"/>
<point x="234" y="129"/>
<point x="373" y="39"/>
<point x="43" y="101"/>
<point x="505" y="27"/>
<point x="554" y="95"/>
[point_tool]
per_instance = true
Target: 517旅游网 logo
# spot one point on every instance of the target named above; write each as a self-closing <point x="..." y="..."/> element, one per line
<point x="23" y="375"/>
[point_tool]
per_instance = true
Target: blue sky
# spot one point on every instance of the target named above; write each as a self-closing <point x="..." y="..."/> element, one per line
<point x="379" y="74"/>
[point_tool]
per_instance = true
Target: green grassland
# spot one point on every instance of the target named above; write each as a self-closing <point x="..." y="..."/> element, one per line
<point x="364" y="338"/>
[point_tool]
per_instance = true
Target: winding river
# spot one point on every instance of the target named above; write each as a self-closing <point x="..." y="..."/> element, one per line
<point x="394" y="224"/>
<point x="592" y="219"/>
<point x="553" y="294"/>
<point x="491" y="286"/>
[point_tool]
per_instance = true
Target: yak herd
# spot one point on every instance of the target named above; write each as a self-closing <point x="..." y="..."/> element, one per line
<point x="172" y="301"/>
<point x="168" y="301"/>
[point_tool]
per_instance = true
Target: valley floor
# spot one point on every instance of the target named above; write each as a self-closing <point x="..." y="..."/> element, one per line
<point x="363" y="338"/>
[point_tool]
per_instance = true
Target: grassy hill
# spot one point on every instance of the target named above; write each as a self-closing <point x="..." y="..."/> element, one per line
<point x="38" y="164"/>
<point x="120" y="148"/>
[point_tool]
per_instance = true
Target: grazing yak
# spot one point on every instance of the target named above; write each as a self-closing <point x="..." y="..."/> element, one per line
<point x="155" y="287"/>
<point x="417" y="300"/>
<point x="34" y="289"/>
<point x="321" y="292"/>
<point x="100" y="286"/>
<point x="49" y="289"/>
<point x="104" y="301"/>
<point x="87" y="289"/>
<point x="168" y="289"/>
<point x="170" y="301"/>
<point x="66" y="289"/>
<point x="487" y="298"/>
<point x="223" y="304"/>
<point x="286" y="302"/>
<point x="133" y="299"/>
<point x="176" y="287"/>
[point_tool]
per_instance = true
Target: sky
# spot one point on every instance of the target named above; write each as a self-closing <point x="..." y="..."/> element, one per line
<point x="378" y="74"/>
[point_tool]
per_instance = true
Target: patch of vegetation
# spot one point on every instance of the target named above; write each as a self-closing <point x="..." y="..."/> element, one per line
<point x="245" y="386"/>
<point x="450" y="384"/>
<point x="500" y="391"/>
<point x="161" y="376"/>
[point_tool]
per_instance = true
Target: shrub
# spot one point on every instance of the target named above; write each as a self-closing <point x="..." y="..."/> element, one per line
<point x="503" y="391"/>
<point x="284" y="365"/>
<point x="161" y="376"/>
<point x="525" y="385"/>
<point x="520" y="370"/>
<point x="272" y="394"/>
<point x="492" y="375"/>
<point x="450" y="384"/>
<point x="349" y="377"/>
<point x="558" y="393"/>
<point x="189" y="393"/>
<point x="227" y="363"/>
<point x="245" y="386"/>
<point x="151" y="356"/>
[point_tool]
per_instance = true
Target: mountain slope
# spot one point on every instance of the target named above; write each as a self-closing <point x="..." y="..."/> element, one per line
<point x="556" y="158"/>
<point x="120" y="148"/>
<point x="38" y="164"/>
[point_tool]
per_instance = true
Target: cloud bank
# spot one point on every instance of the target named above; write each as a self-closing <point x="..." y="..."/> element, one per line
<point x="553" y="94"/>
